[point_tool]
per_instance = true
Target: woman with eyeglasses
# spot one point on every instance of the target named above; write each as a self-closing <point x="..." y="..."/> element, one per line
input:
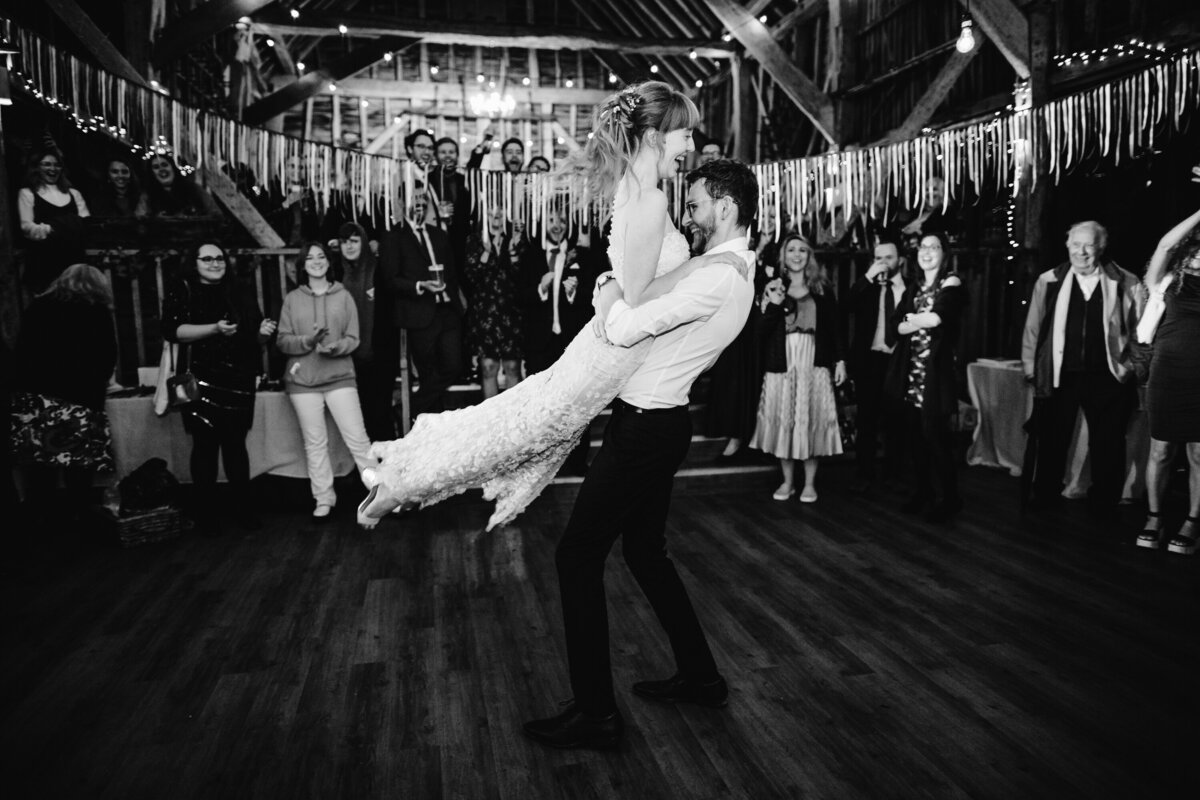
<point x="51" y="215"/>
<point x="319" y="331"/>
<point x="802" y="356"/>
<point x="220" y="330"/>
<point x="924" y="330"/>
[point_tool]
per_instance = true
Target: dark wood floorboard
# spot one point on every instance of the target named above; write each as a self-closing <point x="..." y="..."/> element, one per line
<point x="869" y="654"/>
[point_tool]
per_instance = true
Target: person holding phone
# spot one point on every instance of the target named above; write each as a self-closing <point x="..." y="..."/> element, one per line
<point x="318" y="330"/>
<point x="421" y="274"/>
<point x="220" y="330"/>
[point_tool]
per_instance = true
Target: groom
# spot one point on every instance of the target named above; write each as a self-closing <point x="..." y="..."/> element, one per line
<point x="627" y="491"/>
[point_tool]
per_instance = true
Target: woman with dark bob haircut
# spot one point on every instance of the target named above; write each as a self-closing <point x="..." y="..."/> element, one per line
<point x="924" y="329"/>
<point x="220" y="330"/>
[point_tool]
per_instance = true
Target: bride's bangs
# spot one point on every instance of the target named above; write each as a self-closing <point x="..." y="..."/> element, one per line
<point x="681" y="114"/>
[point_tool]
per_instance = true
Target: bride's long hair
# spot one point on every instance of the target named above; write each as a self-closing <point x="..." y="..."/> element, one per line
<point x="619" y="126"/>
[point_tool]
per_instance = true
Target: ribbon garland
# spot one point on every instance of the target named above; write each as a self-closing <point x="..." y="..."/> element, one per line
<point x="1109" y="121"/>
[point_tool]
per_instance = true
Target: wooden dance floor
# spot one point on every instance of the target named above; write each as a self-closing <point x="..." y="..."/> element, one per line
<point x="869" y="655"/>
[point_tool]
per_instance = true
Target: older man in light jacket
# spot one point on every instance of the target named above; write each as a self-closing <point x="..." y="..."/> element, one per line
<point x="1075" y="350"/>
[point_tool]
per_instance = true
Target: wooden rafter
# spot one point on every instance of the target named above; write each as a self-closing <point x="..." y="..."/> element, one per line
<point x="758" y="41"/>
<point x="804" y="11"/>
<point x="923" y="111"/>
<point x="281" y="47"/>
<point x="317" y="81"/>
<point x="200" y="24"/>
<point x="487" y="35"/>
<point x="1007" y="27"/>
<point x="105" y="53"/>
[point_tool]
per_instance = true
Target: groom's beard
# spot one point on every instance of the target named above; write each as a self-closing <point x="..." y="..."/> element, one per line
<point x="700" y="240"/>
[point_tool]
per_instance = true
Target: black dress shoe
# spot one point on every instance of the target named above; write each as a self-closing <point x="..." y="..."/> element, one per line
<point x="681" y="690"/>
<point x="916" y="504"/>
<point x="574" y="729"/>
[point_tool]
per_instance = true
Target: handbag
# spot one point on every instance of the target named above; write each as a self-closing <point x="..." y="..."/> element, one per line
<point x="183" y="390"/>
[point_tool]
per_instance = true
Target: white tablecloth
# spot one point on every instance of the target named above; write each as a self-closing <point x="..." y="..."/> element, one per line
<point x="274" y="443"/>
<point x="1004" y="400"/>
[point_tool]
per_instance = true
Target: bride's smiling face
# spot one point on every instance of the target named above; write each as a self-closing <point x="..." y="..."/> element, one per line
<point x="675" y="146"/>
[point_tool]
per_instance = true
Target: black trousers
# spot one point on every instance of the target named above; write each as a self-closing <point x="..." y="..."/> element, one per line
<point x="627" y="494"/>
<point x="1106" y="404"/>
<point x="376" y="381"/>
<point x="230" y="442"/>
<point x="878" y="417"/>
<point x="437" y="355"/>
<point x="931" y="444"/>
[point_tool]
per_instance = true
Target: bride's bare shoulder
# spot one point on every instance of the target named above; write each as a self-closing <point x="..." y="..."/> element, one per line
<point x="649" y="205"/>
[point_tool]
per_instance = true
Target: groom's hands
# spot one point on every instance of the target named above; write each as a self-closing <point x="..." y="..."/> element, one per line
<point x="603" y="299"/>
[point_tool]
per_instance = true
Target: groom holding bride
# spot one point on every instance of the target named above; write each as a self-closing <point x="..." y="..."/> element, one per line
<point x="627" y="490"/>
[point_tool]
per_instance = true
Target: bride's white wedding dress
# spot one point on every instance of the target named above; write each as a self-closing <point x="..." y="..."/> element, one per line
<point x="514" y="443"/>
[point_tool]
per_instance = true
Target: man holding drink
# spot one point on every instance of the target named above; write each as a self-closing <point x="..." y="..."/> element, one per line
<point x="872" y="300"/>
<point x="419" y="267"/>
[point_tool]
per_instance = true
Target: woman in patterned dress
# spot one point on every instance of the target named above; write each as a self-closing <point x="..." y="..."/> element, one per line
<point x="924" y="329"/>
<point x="493" y="275"/>
<point x="802" y="354"/>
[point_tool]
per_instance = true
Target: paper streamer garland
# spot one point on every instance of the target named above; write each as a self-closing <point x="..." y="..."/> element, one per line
<point x="1111" y="121"/>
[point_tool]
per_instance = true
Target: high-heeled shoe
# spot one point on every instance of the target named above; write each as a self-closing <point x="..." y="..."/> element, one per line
<point x="1150" y="537"/>
<point x="365" y="522"/>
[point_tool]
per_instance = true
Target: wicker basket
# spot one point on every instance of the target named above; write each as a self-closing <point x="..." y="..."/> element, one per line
<point x="143" y="527"/>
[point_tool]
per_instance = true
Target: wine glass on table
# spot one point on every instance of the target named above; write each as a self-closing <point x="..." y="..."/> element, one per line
<point x="437" y="276"/>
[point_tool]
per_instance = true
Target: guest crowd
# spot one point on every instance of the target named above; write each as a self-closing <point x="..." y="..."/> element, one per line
<point x="476" y="294"/>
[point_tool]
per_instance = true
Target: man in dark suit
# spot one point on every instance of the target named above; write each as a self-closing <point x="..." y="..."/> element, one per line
<point x="557" y="294"/>
<point x="872" y="300"/>
<point x="422" y="276"/>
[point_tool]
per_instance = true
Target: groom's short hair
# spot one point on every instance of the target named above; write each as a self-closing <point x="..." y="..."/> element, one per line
<point x="726" y="177"/>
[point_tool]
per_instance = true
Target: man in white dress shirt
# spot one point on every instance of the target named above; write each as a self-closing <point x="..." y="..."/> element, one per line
<point x="627" y="491"/>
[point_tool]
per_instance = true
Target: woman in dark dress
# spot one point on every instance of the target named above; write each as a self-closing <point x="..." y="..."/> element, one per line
<point x="492" y="280"/>
<point x="1173" y="394"/>
<point x="378" y="352"/>
<point x="65" y="356"/>
<point x="924" y="330"/>
<point x="220" y="330"/>
<point x="51" y="215"/>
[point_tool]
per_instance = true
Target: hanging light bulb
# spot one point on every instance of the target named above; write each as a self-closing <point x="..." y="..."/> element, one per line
<point x="612" y="77"/>
<point x="654" y="68"/>
<point x="966" y="38"/>
<point x="295" y="14"/>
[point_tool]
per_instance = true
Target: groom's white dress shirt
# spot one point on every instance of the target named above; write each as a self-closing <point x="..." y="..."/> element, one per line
<point x="691" y="324"/>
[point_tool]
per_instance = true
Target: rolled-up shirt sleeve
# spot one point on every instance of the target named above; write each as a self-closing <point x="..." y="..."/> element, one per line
<point x="694" y="298"/>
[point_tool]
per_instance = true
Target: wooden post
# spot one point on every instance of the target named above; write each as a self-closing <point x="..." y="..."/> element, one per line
<point x="1041" y="41"/>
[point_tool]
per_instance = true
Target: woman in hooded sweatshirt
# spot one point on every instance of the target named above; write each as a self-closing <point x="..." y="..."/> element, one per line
<point x="318" y="329"/>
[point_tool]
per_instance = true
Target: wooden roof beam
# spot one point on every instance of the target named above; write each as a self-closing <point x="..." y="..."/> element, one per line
<point x="484" y="35"/>
<point x="759" y="43"/>
<point x="924" y="109"/>
<point x="97" y="43"/>
<point x="200" y="24"/>
<point x="1007" y="27"/>
<point x="318" y="80"/>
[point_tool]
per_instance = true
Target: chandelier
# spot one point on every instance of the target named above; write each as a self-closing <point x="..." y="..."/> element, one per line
<point x="492" y="104"/>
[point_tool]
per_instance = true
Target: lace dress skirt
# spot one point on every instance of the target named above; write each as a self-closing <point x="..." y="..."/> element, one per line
<point x="511" y="444"/>
<point x="797" y="412"/>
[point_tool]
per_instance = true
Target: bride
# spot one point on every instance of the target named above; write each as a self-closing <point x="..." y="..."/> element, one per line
<point x="513" y="444"/>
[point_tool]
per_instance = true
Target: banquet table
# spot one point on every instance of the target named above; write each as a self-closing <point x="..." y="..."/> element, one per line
<point x="998" y="389"/>
<point x="273" y="444"/>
